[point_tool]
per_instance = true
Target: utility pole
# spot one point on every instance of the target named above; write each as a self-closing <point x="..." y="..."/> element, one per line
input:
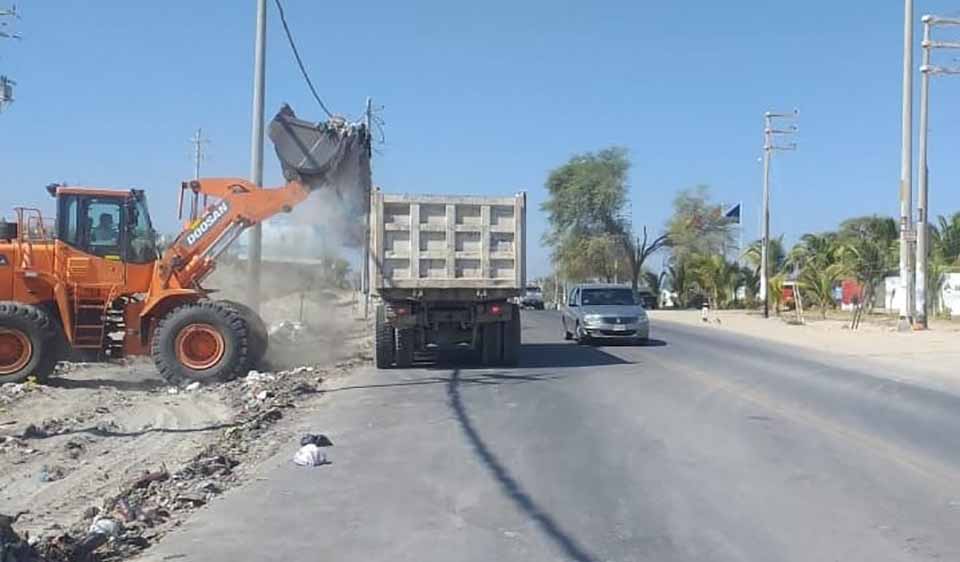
<point x="198" y="143"/>
<point x="365" y="260"/>
<point x="256" y="152"/>
<point x="6" y="83"/>
<point x="906" y="180"/>
<point x="926" y="70"/>
<point x="769" y="146"/>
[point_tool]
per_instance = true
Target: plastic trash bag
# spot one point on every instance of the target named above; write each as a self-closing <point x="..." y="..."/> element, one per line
<point x="310" y="455"/>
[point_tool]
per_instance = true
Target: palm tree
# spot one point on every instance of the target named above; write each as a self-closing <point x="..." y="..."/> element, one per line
<point x="716" y="277"/>
<point x="680" y="280"/>
<point x="776" y="257"/>
<point x="818" y="283"/>
<point x="946" y="239"/>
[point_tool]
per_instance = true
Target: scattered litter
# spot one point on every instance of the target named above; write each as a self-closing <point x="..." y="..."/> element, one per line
<point x="51" y="473"/>
<point x="193" y="386"/>
<point x="310" y="455"/>
<point x="287" y="332"/>
<point x="105" y="526"/>
<point x="263" y="395"/>
<point x="318" y="439"/>
<point x="173" y="390"/>
<point x="257" y="376"/>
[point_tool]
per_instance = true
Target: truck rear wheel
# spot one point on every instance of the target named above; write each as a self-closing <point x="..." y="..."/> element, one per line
<point x="491" y="349"/>
<point x="511" y="339"/>
<point x="406" y="338"/>
<point x="258" y="335"/>
<point x="204" y="341"/>
<point x="27" y="343"/>
<point x="385" y="340"/>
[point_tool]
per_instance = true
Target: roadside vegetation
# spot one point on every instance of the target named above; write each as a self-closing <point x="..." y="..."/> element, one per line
<point x="592" y="238"/>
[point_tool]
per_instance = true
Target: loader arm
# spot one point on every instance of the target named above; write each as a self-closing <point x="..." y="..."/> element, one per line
<point x="234" y="205"/>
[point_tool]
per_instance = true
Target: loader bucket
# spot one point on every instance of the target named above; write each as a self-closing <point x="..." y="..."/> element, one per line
<point x="333" y="156"/>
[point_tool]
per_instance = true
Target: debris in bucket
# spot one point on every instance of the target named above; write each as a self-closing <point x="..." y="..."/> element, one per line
<point x="310" y="455"/>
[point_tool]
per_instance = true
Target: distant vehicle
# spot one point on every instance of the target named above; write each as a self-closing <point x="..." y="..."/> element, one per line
<point x="596" y="312"/>
<point x="532" y="298"/>
<point x="647" y="299"/>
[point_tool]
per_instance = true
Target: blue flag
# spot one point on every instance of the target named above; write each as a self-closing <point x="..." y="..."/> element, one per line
<point x="733" y="213"/>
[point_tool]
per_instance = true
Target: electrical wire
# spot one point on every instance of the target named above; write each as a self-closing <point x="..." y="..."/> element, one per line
<point x="296" y="55"/>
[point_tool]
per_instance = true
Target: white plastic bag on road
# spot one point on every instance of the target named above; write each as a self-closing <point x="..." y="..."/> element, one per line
<point x="310" y="455"/>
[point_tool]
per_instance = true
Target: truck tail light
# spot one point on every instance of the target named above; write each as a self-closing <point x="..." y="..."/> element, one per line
<point x="496" y="309"/>
<point x="401" y="310"/>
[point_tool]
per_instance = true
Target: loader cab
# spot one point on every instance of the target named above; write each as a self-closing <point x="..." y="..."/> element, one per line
<point x="111" y="224"/>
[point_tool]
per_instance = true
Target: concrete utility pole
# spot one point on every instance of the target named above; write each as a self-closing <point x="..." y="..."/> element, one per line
<point x="906" y="180"/>
<point x="6" y="83"/>
<point x="256" y="152"/>
<point x="365" y="260"/>
<point x="769" y="146"/>
<point x="926" y="69"/>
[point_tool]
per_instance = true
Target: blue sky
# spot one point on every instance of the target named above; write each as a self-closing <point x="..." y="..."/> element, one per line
<point x="485" y="97"/>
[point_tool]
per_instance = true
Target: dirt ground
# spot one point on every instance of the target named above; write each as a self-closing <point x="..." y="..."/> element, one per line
<point x="929" y="357"/>
<point x="77" y="448"/>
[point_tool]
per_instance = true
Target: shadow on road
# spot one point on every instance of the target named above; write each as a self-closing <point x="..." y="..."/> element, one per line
<point x="510" y="487"/>
<point x="649" y="343"/>
<point x="478" y="379"/>
<point x="532" y="356"/>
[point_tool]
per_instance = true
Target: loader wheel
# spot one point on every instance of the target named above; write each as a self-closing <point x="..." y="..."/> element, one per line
<point x="405" y="344"/>
<point x="259" y="337"/>
<point x="385" y="340"/>
<point x="27" y="343"/>
<point x="204" y="341"/>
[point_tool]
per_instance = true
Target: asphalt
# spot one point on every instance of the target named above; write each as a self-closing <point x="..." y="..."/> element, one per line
<point x="699" y="446"/>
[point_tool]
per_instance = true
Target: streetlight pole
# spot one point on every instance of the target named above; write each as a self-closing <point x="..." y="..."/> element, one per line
<point x="256" y="152"/>
<point x="769" y="146"/>
<point x="906" y="180"/>
<point x="923" y="233"/>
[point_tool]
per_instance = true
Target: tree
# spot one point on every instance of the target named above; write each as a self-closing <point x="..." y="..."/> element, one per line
<point x="946" y="239"/>
<point x="817" y="285"/>
<point x="867" y="250"/>
<point x="776" y="259"/>
<point x="680" y="281"/>
<point x="716" y="278"/>
<point x="588" y="231"/>
<point x="697" y="226"/>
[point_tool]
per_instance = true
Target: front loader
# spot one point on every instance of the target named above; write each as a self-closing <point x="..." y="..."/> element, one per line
<point x="93" y="282"/>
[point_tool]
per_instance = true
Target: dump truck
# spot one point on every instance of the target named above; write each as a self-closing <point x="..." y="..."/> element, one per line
<point x="447" y="271"/>
<point x="94" y="281"/>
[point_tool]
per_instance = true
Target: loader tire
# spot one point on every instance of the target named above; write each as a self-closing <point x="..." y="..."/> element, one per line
<point x="27" y="343"/>
<point x="259" y="337"/>
<point x="406" y="339"/>
<point x="385" y="340"/>
<point x="511" y="339"/>
<point x="205" y="341"/>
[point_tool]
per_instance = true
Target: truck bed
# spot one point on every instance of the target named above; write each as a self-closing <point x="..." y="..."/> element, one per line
<point x="447" y="244"/>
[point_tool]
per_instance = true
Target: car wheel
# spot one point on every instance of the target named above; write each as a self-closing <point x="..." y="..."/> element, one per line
<point x="581" y="336"/>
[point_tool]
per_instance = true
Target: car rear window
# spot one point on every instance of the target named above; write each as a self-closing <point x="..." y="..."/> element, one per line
<point x="621" y="297"/>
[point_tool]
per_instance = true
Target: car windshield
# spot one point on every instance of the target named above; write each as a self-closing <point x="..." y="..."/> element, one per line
<point x="600" y="297"/>
<point x="533" y="290"/>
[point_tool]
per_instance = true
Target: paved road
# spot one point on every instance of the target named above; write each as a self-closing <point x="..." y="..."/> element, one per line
<point x="702" y="446"/>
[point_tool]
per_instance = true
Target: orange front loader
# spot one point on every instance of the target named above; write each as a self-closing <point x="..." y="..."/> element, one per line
<point x="94" y="281"/>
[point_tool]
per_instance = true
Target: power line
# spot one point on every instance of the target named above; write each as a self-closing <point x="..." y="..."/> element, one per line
<point x="296" y="55"/>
